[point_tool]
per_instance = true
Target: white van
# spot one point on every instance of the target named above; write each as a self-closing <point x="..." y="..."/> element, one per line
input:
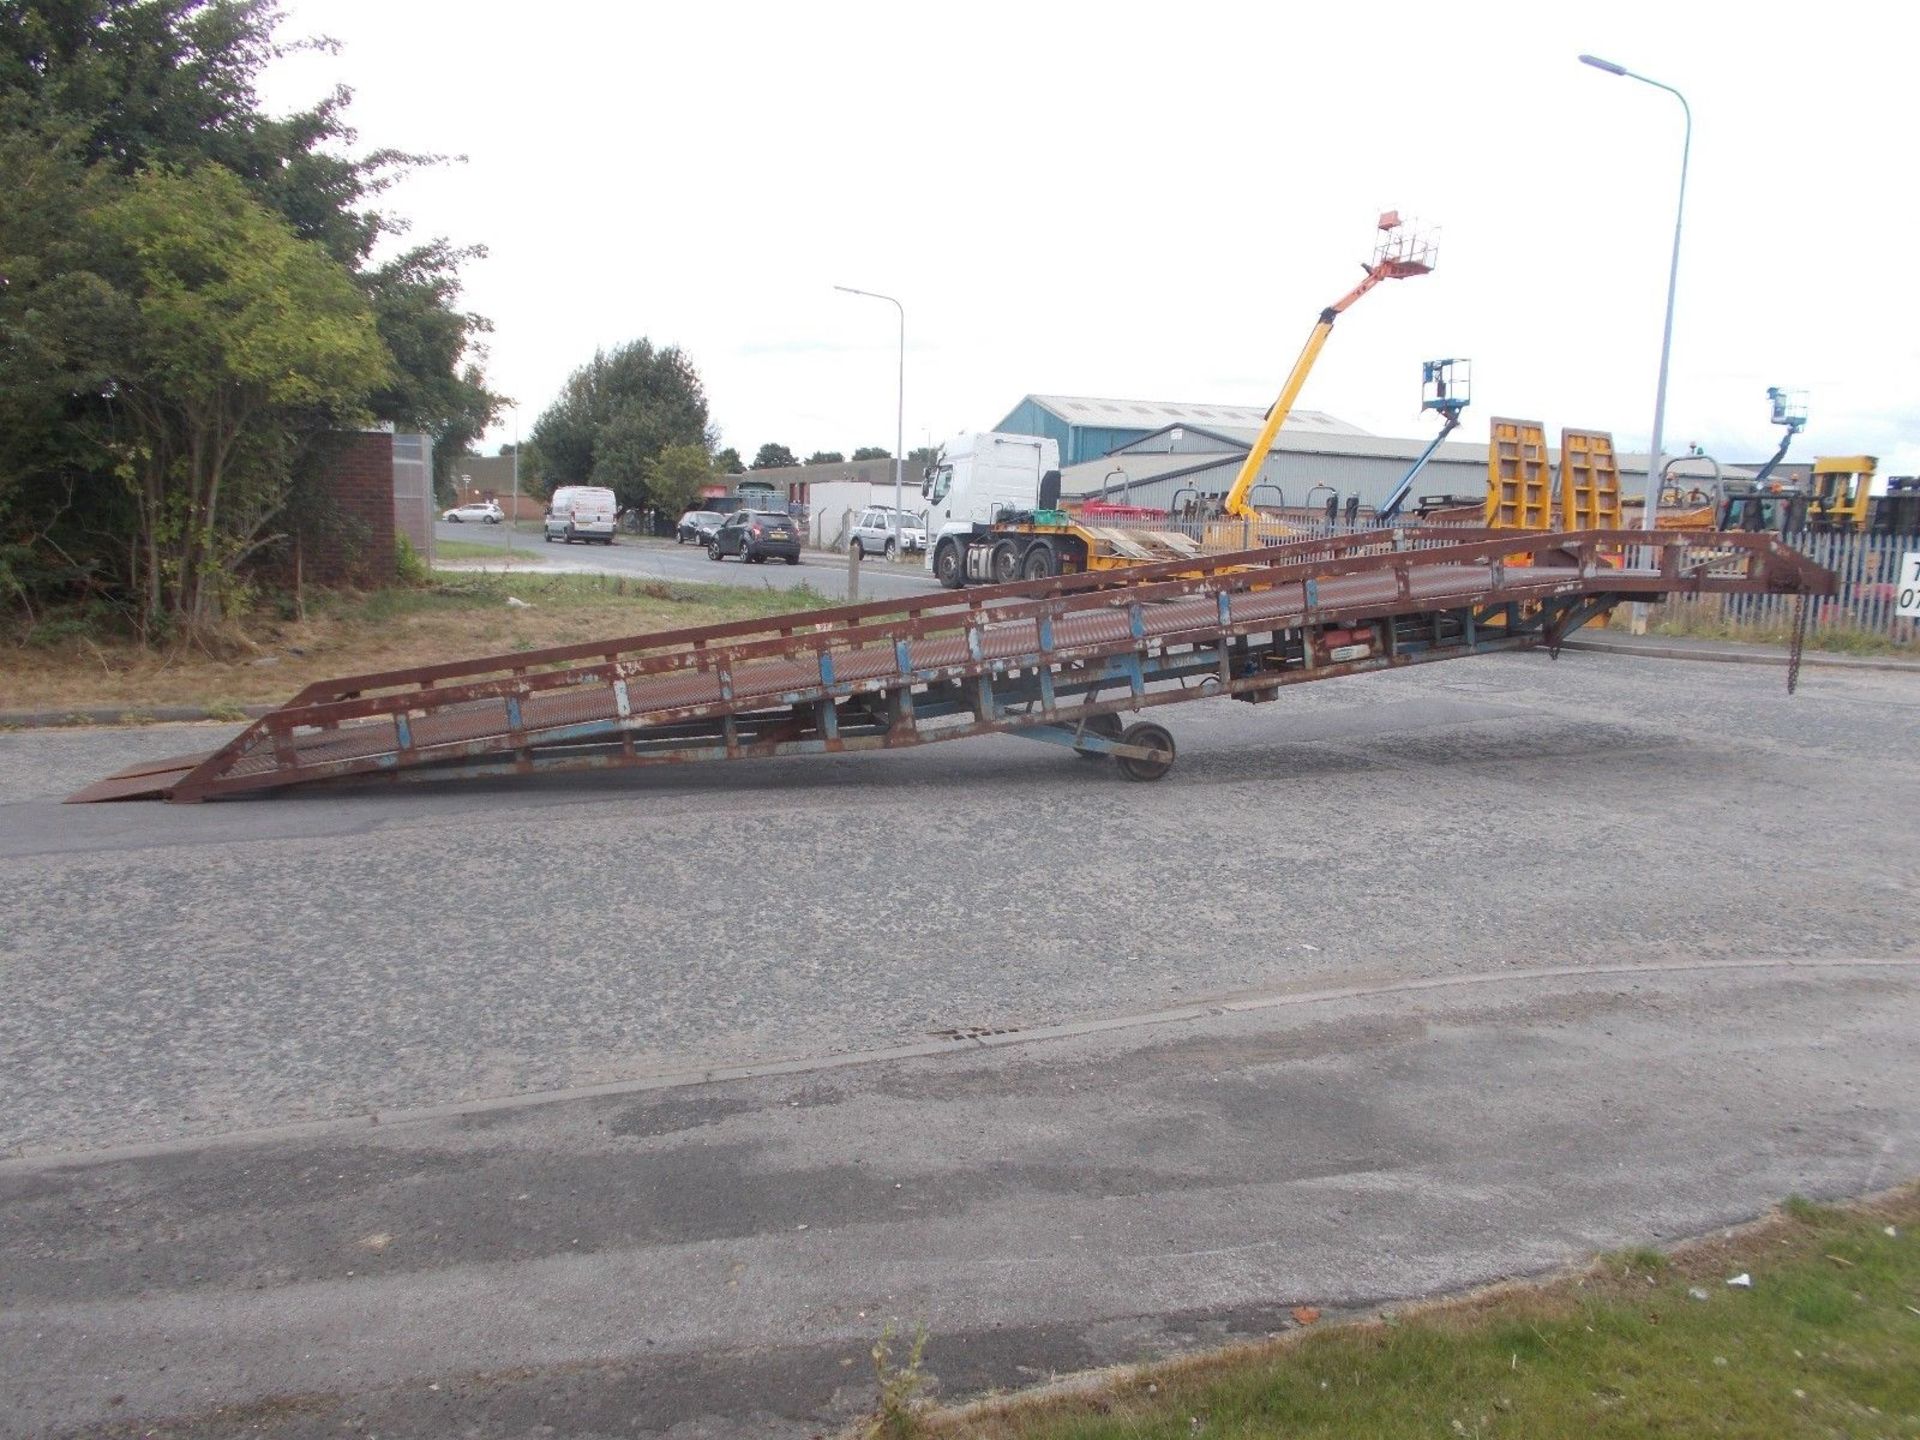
<point x="581" y="512"/>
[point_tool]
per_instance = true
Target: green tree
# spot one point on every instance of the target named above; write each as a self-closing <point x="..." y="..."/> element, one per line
<point x="872" y="452"/>
<point x="59" y="321"/>
<point x="919" y="459"/>
<point x="825" y="457"/>
<point x="616" y="414"/>
<point x="238" y="327"/>
<point x="435" y="383"/>
<point x="772" y="457"/>
<point x="172" y="82"/>
<point x="95" y="95"/>
<point x="675" y="475"/>
<point x="728" y="462"/>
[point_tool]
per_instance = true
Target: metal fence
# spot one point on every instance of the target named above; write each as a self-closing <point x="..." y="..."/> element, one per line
<point x="1866" y="566"/>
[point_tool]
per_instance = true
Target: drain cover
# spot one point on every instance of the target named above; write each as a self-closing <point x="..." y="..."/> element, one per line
<point x="974" y="1032"/>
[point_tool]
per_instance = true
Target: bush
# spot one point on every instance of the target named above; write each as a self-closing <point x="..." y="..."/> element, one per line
<point x="410" y="567"/>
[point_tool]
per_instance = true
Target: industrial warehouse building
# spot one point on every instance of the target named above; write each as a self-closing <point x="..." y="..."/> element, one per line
<point x="1199" y="449"/>
<point x="1302" y="468"/>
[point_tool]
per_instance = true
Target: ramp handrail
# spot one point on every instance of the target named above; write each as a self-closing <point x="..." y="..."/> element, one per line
<point x="1583" y="556"/>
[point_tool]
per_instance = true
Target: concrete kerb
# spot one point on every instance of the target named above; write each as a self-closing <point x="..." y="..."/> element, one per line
<point x="1813" y="658"/>
<point x="128" y="715"/>
<point x="31" y="1158"/>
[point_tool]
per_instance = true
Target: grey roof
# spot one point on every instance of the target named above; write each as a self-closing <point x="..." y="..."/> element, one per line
<point x="1157" y="414"/>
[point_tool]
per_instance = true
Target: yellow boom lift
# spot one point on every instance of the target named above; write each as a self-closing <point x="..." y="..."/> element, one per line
<point x="1398" y="254"/>
<point x="1030" y="544"/>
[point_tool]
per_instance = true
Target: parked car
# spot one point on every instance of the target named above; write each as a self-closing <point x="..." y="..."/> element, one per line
<point x="481" y="512"/>
<point x="754" y="535"/>
<point x="581" y="512"/>
<point x="874" y="532"/>
<point x="698" y="526"/>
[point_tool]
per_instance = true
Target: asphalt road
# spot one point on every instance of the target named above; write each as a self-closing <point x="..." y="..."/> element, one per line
<point x="664" y="560"/>
<point x="1391" y="986"/>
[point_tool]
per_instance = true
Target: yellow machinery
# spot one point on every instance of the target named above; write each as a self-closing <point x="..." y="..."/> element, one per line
<point x="1840" y="489"/>
<point x="1519" y="477"/>
<point x="1694" y="507"/>
<point x="1521" y="490"/>
<point x="1045" y="541"/>
<point x="1589" y="481"/>
<point x="1398" y="254"/>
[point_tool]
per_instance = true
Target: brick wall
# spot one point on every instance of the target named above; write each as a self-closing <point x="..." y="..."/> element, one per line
<point x="350" y="540"/>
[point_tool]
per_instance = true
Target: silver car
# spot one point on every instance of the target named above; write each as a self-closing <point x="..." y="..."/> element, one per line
<point x="875" y="532"/>
<point x="483" y="512"/>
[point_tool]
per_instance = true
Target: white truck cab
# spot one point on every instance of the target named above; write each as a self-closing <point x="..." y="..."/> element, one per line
<point x="978" y="475"/>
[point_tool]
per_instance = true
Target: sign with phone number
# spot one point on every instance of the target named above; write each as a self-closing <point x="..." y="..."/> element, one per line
<point x="1907" y="598"/>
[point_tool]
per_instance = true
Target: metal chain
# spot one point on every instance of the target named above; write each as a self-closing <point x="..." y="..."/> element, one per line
<point x="1799" y="642"/>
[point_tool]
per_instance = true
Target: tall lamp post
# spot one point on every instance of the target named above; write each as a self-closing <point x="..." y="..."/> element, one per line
<point x="1649" y="515"/>
<point x="513" y="518"/>
<point x="900" y="414"/>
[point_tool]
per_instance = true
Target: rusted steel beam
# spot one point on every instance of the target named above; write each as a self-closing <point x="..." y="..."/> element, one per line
<point x="461" y="712"/>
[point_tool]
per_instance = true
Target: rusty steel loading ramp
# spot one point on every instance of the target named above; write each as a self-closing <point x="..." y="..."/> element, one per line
<point x="1056" y="660"/>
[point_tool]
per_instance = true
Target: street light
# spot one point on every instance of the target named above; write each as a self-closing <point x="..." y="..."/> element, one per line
<point x="513" y="516"/>
<point x="900" y="414"/>
<point x="1649" y="516"/>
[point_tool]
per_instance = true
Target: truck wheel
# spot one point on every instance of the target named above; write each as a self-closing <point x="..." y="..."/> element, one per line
<point x="1107" y="727"/>
<point x="1039" y="563"/>
<point x="1003" y="565"/>
<point x="950" y="565"/>
<point x="1152" y="737"/>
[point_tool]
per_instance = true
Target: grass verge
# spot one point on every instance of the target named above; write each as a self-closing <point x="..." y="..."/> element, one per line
<point x="474" y="550"/>
<point x="456" y="616"/>
<point x="1687" y="622"/>
<point x="1825" y="1342"/>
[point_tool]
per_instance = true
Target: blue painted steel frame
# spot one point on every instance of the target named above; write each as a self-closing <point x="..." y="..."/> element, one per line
<point x="1008" y="687"/>
<point x="977" y="695"/>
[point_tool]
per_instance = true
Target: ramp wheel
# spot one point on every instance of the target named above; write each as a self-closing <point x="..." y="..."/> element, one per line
<point x="1149" y="737"/>
<point x="1107" y="727"/>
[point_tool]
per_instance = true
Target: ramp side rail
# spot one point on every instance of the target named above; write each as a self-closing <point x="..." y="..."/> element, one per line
<point x="1042" y="657"/>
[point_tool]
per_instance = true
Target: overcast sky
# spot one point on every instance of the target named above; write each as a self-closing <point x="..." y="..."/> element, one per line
<point x="1154" y="201"/>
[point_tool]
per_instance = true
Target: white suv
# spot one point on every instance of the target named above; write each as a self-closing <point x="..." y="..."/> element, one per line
<point x="485" y="512"/>
<point x="874" y="532"/>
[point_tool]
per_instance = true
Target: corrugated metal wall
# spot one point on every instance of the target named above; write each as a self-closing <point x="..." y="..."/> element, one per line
<point x="1372" y="478"/>
<point x="1076" y="442"/>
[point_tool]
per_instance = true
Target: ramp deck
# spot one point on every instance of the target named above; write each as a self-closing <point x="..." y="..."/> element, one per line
<point x="1049" y="659"/>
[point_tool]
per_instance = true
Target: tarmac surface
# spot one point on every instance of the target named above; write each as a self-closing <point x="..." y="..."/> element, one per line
<point x="1392" y="986"/>
<point x="656" y="559"/>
